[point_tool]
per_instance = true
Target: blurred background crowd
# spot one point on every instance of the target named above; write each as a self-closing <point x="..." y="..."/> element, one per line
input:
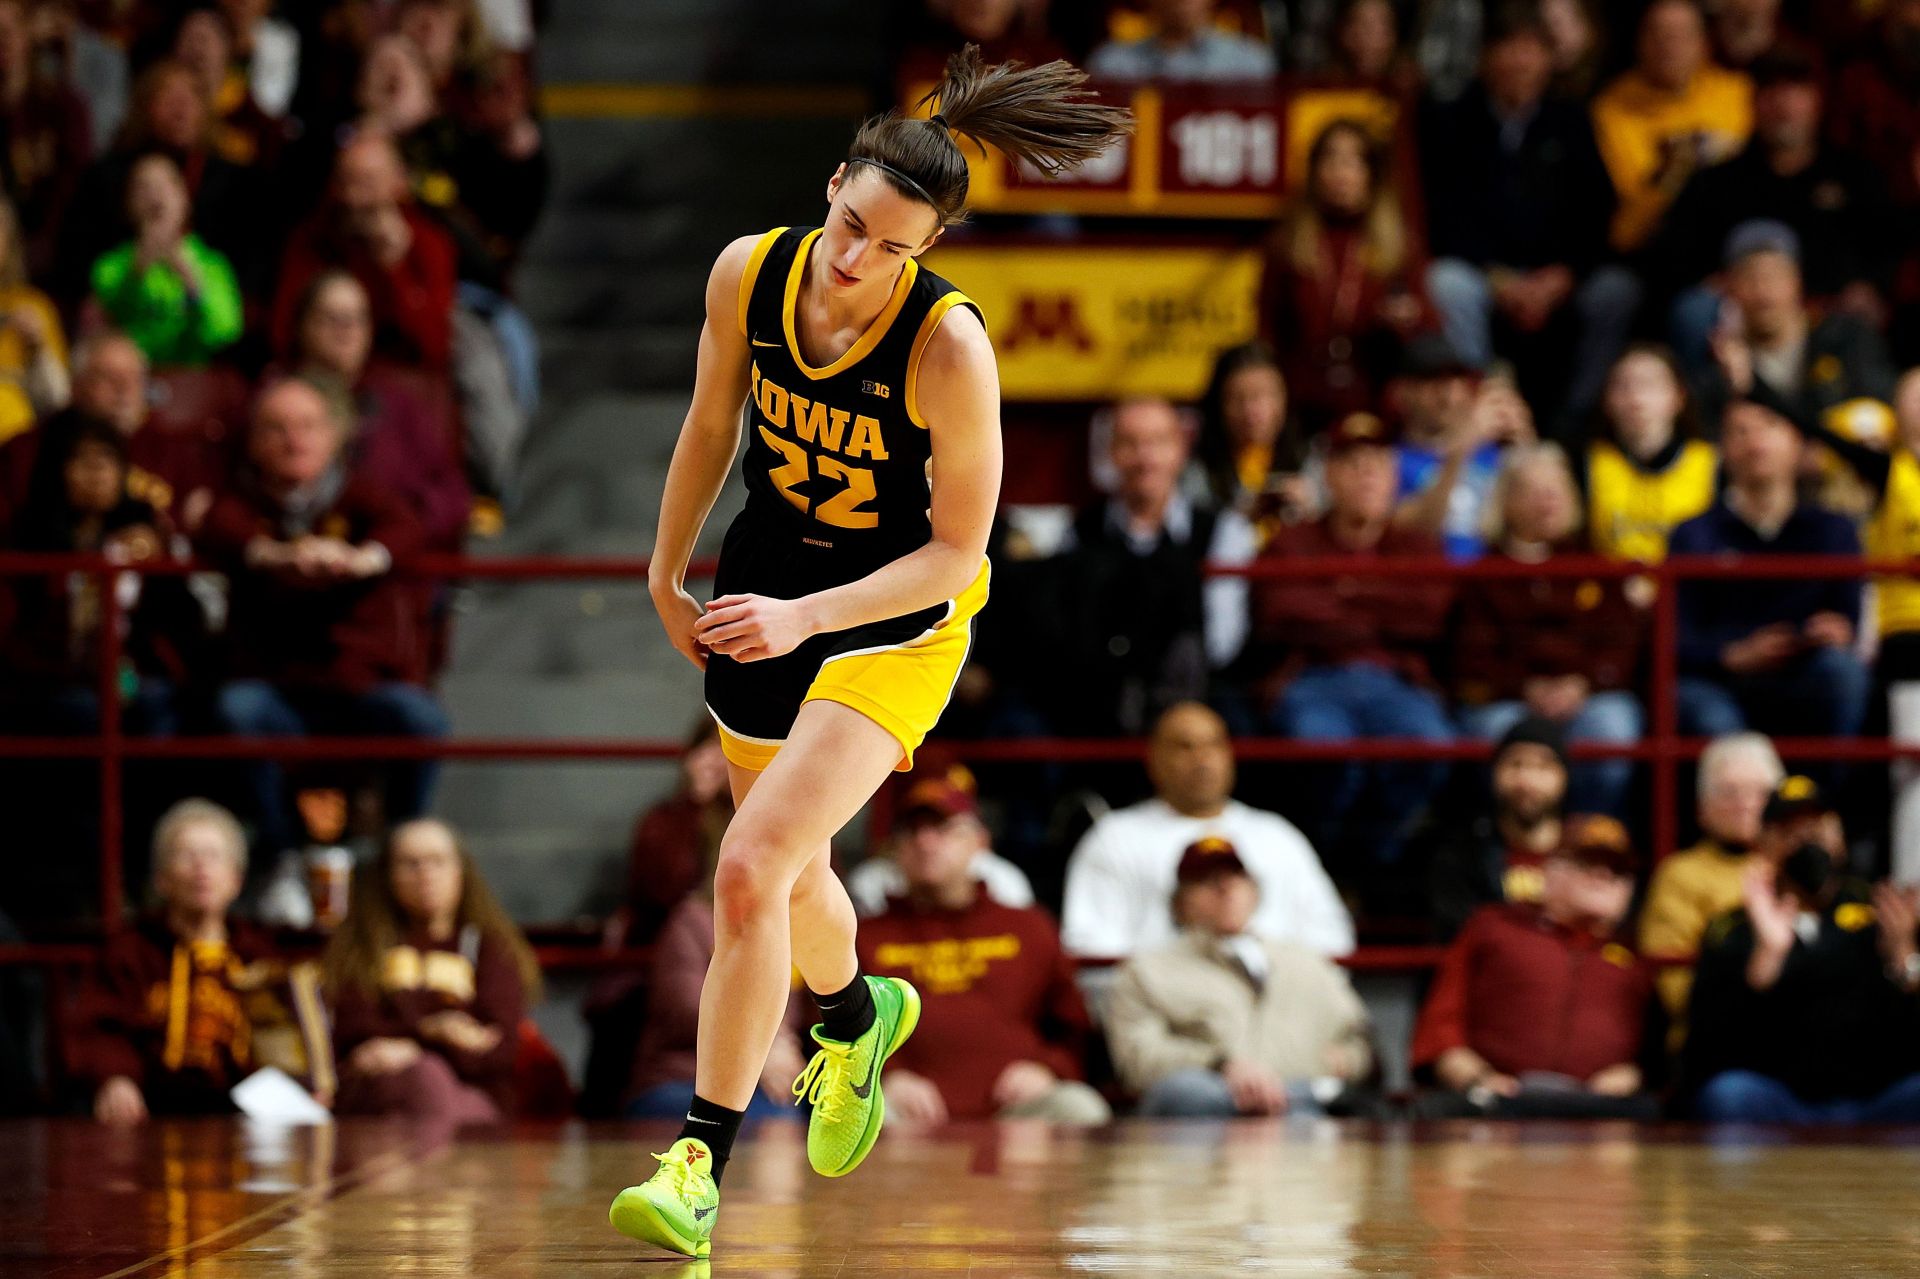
<point x="1538" y="295"/>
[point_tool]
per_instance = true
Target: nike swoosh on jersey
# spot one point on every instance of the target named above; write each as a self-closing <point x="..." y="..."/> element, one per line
<point x="758" y="342"/>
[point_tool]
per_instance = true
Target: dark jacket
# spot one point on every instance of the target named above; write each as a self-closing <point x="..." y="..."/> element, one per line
<point x="1471" y="865"/>
<point x="1838" y="206"/>
<point x="1715" y="613"/>
<point x="1833" y="1027"/>
<point x="1507" y="630"/>
<point x="1535" y="196"/>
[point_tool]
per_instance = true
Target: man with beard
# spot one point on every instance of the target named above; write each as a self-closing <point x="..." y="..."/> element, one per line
<point x="1496" y="855"/>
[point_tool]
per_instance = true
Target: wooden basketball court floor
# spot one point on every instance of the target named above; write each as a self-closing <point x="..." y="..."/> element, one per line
<point x="218" y="1198"/>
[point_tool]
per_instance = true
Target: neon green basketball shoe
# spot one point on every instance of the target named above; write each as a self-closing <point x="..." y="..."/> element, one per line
<point x="676" y="1207"/>
<point x="843" y="1080"/>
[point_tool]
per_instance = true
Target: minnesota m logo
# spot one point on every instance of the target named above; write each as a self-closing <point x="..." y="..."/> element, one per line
<point x="1053" y="317"/>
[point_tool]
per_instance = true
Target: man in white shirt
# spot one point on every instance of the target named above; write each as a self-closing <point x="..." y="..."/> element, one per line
<point x="1120" y="879"/>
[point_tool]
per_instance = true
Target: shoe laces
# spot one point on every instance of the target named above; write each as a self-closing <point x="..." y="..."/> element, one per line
<point x="680" y="1173"/>
<point x="827" y="1082"/>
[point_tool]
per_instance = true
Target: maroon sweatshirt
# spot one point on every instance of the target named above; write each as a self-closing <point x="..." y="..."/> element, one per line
<point x="470" y="971"/>
<point x="345" y="636"/>
<point x="168" y="1015"/>
<point x="995" y="986"/>
<point x="1530" y="995"/>
<point x="1508" y="630"/>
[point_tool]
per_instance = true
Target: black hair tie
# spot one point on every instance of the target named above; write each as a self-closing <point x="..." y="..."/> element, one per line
<point x="937" y="118"/>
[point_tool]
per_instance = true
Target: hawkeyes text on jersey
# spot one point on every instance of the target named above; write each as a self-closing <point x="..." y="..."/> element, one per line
<point x="844" y="448"/>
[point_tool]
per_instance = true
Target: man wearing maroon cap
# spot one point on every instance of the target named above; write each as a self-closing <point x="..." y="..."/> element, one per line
<point x="1346" y="657"/>
<point x="939" y="806"/>
<point x="1538" y="1010"/>
<point x="1002" y="1026"/>
<point x="1222" y="1022"/>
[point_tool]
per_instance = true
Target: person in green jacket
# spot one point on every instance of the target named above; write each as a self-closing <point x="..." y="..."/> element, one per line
<point x="166" y="289"/>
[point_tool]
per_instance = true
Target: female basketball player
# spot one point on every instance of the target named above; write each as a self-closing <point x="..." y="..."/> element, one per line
<point x="845" y="588"/>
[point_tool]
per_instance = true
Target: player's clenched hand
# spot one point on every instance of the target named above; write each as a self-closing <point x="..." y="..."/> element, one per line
<point x="679" y="612"/>
<point x="748" y="628"/>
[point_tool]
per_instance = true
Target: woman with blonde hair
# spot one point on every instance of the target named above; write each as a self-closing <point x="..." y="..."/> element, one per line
<point x="1564" y="648"/>
<point x="429" y="980"/>
<point x="1341" y="288"/>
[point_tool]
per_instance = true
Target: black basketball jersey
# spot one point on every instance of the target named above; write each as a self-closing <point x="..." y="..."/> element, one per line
<point x="839" y="455"/>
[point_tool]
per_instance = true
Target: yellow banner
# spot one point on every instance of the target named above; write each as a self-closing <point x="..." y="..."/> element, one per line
<point x="1073" y="322"/>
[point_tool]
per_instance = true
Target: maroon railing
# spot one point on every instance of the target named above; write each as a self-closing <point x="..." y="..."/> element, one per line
<point x="1663" y="749"/>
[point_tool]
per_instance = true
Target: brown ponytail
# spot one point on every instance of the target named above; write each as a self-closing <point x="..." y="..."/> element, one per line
<point x="1043" y="115"/>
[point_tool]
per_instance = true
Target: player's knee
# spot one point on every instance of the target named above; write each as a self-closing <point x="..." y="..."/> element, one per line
<point x="747" y="883"/>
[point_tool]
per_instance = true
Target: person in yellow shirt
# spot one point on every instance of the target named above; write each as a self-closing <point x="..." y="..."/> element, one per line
<point x="1646" y="471"/>
<point x="33" y="349"/>
<point x="1738" y="774"/>
<point x="1672" y="113"/>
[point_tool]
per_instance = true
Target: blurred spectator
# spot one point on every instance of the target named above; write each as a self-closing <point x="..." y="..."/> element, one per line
<point x="322" y="636"/>
<point x="449" y="34"/>
<point x="1454" y="433"/>
<point x="1833" y="201"/>
<point x="95" y="66"/>
<point x="1518" y="206"/>
<point x="1672" y="114"/>
<point x="166" y="289"/>
<point x="1003" y="1030"/>
<point x="51" y="646"/>
<point x="1781" y="658"/>
<point x="1814" y="364"/>
<point x="675" y="841"/>
<point x="1349" y="655"/>
<point x="1120" y="879"/>
<point x="171" y="116"/>
<point x="266" y="50"/>
<point x="1447" y="45"/>
<point x="1222" y="1021"/>
<point x="661" y="1083"/>
<point x="1004" y="29"/>
<point x="1802" y="1007"/>
<point x="33" y="349"/>
<point x="1341" y="286"/>
<point x="48" y="142"/>
<point x="161" y="1026"/>
<point x="1577" y="39"/>
<point x="405" y="439"/>
<point x="1140" y="630"/>
<point x="1876" y="115"/>
<point x="242" y="131"/>
<point x="1251" y="459"/>
<point x="1745" y="32"/>
<point x="1367" y="50"/>
<point x="1540" y="1010"/>
<point x="429" y="981"/>
<point x="1185" y="45"/>
<point x="1647" y="470"/>
<point x="1691" y="889"/>
<point x="944" y="808"/>
<point x="1892" y="477"/>
<point x="371" y="228"/>
<point x="484" y="178"/>
<point x="1564" y="648"/>
<point x="174" y="471"/>
<point x="1494" y="853"/>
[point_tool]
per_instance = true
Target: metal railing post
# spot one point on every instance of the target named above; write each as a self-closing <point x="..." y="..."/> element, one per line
<point x="1663" y="697"/>
<point x="112" y="760"/>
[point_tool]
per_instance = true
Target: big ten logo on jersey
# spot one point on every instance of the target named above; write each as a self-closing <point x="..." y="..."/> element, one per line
<point x="830" y="430"/>
<point x="870" y="387"/>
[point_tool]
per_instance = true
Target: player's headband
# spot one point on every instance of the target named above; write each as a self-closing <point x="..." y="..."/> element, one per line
<point x="911" y="185"/>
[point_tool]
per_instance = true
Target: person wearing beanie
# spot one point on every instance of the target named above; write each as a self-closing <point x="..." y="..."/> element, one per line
<point x="1495" y="854"/>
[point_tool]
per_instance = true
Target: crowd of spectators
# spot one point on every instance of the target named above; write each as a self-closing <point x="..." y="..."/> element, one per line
<point x="255" y="311"/>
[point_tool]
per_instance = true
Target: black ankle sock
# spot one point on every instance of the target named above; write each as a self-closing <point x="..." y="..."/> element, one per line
<point x="715" y="1125"/>
<point x="846" y="1014"/>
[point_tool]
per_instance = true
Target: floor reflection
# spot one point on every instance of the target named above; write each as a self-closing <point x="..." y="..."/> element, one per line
<point x="223" y="1198"/>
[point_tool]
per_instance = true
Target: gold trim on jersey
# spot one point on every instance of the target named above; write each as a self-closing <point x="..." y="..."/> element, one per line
<point x="937" y="313"/>
<point x="867" y="341"/>
<point x="752" y="274"/>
